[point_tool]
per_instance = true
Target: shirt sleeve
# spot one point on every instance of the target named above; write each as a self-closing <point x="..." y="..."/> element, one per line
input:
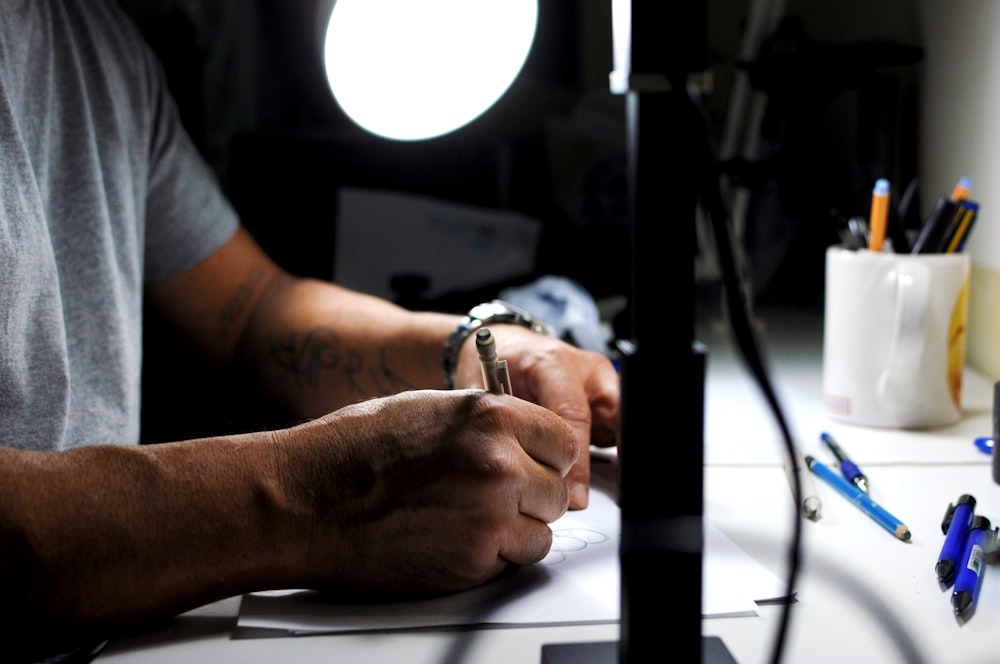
<point x="188" y="216"/>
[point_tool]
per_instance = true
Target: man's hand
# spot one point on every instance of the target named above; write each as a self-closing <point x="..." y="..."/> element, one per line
<point x="580" y="386"/>
<point x="427" y="491"/>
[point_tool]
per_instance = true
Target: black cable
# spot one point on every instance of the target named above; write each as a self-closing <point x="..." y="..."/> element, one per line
<point x="735" y="298"/>
<point x="736" y="306"/>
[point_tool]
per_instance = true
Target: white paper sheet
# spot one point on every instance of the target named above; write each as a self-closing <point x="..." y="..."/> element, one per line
<point x="578" y="582"/>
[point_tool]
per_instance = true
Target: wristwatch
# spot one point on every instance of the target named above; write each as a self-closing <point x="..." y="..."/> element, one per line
<point x="487" y="313"/>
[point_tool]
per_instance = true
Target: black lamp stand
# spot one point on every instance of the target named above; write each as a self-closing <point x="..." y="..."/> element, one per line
<point x="663" y="366"/>
<point x="663" y="377"/>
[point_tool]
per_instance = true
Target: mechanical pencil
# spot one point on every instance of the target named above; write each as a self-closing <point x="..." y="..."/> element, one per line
<point x="495" y="374"/>
<point x="969" y="578"/>
<point x="858" y="230"/>
<point x="854" y="235"/>
<point x="956" y="525"/>
<point x="848" y="468"/>
<point x="860" y="499"/>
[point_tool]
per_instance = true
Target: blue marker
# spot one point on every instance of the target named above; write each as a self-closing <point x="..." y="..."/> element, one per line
<point x="956" y="525"/>
<point x="969" y="579"/>
<point x="860" y="499"/>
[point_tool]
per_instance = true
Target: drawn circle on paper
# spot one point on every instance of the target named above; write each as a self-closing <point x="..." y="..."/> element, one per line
<point x="552" y="557"/>
<point x="567" y="540"/>
<point x="585" y="534"/>
<point x="561" y="541"/>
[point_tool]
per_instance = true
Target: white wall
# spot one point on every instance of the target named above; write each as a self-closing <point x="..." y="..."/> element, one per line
<point x="960" y="135"/>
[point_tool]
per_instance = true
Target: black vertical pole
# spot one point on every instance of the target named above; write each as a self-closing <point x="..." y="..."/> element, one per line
<point x="663" y="373"/>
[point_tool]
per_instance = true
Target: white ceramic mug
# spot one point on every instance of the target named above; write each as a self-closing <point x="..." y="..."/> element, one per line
<point x="894" y="337"/>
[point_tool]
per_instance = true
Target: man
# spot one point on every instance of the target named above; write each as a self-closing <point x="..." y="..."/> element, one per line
<point x="105" y="202"/>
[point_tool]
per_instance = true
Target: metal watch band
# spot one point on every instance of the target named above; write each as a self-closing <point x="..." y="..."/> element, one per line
<point x="487" y="313"/>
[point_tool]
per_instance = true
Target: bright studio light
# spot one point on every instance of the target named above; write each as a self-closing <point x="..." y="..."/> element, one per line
<point x="415" y="69"/>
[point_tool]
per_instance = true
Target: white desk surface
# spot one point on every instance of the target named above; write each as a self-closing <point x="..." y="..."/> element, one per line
<point x="863" y="596"/>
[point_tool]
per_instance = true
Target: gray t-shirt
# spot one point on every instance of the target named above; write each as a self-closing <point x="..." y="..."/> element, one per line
<point x="100" y="191"/>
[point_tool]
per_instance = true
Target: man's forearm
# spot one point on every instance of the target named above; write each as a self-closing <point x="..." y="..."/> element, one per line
<point x="318" y="346"/>
<point x="122" y="534"/>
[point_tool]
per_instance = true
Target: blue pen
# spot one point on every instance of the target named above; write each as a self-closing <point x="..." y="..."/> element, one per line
<point x="860" y="499"/>
<point x="969" y="578"/>
<point x="956" y="525"/>
<point x="848" y="468"/>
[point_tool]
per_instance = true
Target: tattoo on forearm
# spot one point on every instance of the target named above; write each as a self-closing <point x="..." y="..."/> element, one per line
<point x="307" y="355"/>
<point x="235" y="308"/>
<point x="387" y="381"/>
<point x="318" y="353"/>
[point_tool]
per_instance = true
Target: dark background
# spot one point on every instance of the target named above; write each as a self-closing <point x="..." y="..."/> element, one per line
<point x="248" y="79"/>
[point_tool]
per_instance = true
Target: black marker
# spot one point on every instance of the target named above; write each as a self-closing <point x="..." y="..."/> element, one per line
<point x="929" y="239"/>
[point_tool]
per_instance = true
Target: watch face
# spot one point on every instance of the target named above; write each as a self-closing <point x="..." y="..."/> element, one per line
<point x="487" y="310"/>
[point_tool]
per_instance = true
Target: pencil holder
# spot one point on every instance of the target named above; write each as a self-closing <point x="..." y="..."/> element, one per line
<point x="894" y="337"/>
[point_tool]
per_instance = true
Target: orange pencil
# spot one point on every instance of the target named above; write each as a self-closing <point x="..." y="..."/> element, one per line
<point x="879" y="215"/>
<point x="962" y="189"/>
